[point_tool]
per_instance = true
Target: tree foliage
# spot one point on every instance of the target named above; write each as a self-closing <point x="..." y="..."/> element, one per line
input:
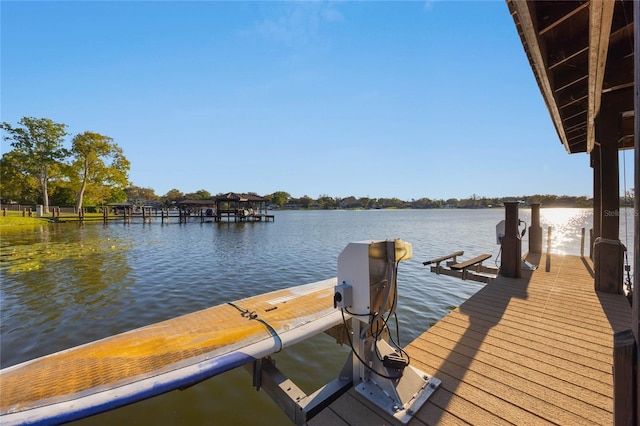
<point x="279" y="198"/>
<point x="139" y="195"/>
<point x="100" y="166"/>
<point x="201" y="194"/>
<point x="38" y="152"/>
<point x="15" y="183"/>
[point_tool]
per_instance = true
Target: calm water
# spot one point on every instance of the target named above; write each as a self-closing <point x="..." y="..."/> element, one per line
<point x="68" y="284"/>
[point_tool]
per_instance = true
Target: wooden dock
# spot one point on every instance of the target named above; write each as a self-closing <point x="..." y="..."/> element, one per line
<point x="533" y="350"/>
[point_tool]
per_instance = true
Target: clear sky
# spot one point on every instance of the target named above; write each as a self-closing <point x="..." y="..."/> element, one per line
<point x="381" y="99"/>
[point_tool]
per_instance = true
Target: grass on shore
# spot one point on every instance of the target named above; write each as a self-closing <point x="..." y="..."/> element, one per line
<point x="14" y="219"/>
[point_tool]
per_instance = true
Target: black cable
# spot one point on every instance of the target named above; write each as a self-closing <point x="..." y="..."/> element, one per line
<point x="385" y="322"/>
<point x="252" y="315"/>
<point x="344" y="320"/>
<point x="358" y="315"/>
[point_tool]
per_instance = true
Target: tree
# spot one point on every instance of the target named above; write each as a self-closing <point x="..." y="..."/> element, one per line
<point x="139" y="194"/>
<point x="172" y="197"/>
<point x="306" y="201"/>
<point x="201" y="194"/>
<point x="279" y="198"/>
<point x="37" y="150"/>
<point x="326" y="202"/>
<point x="15" y="184"/>
<point x="99" y="164"/>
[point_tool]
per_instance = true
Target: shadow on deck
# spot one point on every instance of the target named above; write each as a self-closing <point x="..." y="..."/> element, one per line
<point x="533" y="350"/>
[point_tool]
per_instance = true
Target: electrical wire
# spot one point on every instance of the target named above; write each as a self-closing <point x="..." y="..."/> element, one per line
<point x="379" y="322"/>
<point x="363" y="362"/>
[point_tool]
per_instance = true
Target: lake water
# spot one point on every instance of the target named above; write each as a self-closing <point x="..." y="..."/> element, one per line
<point x="67" y="284"/>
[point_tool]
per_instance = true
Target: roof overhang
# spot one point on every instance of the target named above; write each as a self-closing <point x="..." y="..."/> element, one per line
<point x="581" y="54"/>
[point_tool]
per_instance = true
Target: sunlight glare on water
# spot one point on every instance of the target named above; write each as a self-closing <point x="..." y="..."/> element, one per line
<point x="565" y="223"/>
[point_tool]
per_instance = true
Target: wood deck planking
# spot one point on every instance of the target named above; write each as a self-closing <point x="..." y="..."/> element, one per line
<point x="534" y="350"/>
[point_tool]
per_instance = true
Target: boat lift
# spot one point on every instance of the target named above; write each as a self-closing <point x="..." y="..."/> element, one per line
<point x="177" y="353"/>
<point x="368" y="290"/>
<point x="377" y="367"/>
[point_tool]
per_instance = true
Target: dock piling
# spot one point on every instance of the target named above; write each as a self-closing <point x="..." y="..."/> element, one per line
<point x="547" y="267"/>
<point x="535" y="230"/>
<point x="511" y="243"/>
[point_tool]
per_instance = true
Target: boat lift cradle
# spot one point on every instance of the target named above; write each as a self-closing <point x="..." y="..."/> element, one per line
<point x="471" y="269"/>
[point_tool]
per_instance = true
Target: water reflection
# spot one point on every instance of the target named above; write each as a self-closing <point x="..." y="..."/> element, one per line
<point x="55" y="284"/>
<point x="566" y="224"/>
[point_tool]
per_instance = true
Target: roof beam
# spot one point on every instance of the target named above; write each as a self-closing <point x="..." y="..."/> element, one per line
<point x="531" y="36"/>
<point x="564" y="18"/>
<point x="600" y="19"/>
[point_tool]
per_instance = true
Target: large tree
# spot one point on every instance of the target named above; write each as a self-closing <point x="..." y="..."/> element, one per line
<point x="37" y="150"/>
<point x="137" y="194"/>
<point x="99" y="165"/>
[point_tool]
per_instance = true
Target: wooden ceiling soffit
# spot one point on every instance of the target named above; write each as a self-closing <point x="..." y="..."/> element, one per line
<point x="600" y="19"/>
<point x="530" y="35"/>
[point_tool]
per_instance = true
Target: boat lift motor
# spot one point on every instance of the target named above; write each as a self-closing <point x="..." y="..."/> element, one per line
<point x="367" y="290"/>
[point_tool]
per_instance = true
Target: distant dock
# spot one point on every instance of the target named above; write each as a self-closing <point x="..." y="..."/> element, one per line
<point x="148" y="216"/>
<point x="533" y="350"/>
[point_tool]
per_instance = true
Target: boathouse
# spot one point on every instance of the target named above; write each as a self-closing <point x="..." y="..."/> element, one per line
<point x="230" y="207"/>
<point x="241" y="207"/>
<point x="203" y="207"/>
<point x="556" y="346"/>
<point x="583" y="58"/>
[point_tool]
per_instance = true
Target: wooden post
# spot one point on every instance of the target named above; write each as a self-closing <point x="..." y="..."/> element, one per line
<point x="608" y="256"/>
<point x="624" y="362"/>
<point x="511" y="243"/>
<point x="535" y="230"/>
<point x="582" y="243"/>
<point x="4" y="211"/>
<point x="547" y="267"/>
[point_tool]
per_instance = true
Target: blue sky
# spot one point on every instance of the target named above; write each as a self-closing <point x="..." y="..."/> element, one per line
<point x="381" y="99"/>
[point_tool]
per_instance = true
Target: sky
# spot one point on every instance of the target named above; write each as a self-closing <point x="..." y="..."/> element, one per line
<point x="377" y="99"/>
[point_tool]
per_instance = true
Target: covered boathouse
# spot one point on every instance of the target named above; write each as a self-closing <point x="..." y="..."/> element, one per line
<point x="230" y="207"/>
<point x="584" y="56"/>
